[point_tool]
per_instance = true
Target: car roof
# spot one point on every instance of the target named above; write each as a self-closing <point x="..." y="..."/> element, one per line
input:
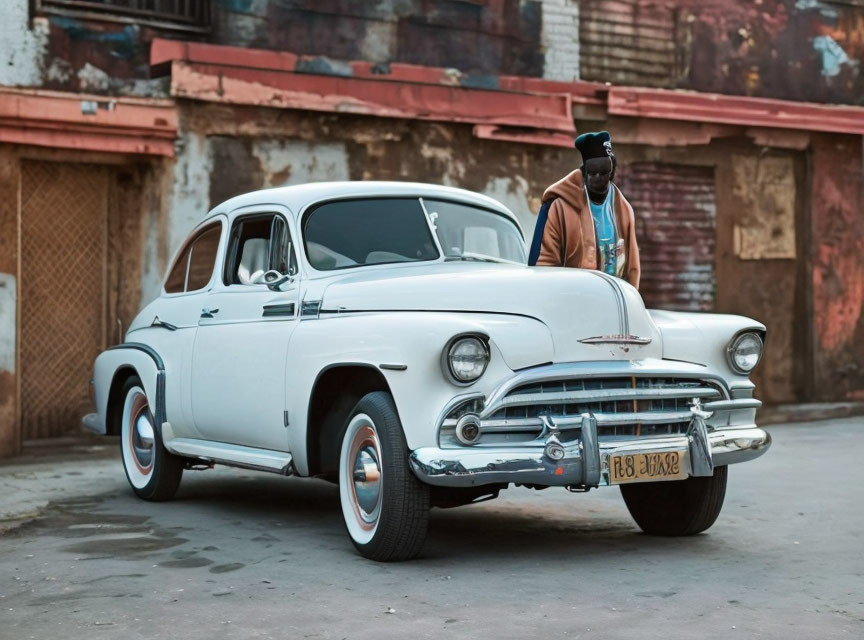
<point x="298" y="196"/>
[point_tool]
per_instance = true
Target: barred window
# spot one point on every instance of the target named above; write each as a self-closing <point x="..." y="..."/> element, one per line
<point x="182" y="14"/>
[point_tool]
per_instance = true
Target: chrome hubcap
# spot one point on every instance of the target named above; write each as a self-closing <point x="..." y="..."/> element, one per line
<point x="366" y="474"/>
<point x="142" y="437"/>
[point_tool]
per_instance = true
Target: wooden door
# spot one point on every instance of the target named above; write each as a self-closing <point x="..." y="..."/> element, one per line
<point x="63" y="222"/>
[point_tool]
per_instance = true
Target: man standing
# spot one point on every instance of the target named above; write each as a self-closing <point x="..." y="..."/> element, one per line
<point x="585" y="220"/>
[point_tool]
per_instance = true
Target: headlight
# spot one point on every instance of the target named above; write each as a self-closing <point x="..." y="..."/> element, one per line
<point x="467" y="358"/>
<point x="745" y="352"/>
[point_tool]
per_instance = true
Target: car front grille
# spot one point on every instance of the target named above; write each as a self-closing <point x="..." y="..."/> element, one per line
<point x="625" y="407"/>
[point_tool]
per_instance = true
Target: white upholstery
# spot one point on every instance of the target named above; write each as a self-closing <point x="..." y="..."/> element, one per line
<point x="253" y="262"/>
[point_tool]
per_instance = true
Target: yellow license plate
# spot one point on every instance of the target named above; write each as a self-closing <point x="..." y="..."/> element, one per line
<point x="646" y="467"/>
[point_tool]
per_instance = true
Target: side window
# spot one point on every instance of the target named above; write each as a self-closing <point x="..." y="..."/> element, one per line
<point x="258" y="244"/>
<point x="176" y="282"/>
<point x="194" y="265"/>
<point x="203" y="258"/>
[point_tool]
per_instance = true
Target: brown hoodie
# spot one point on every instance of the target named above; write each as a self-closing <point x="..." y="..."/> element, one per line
<point x="569" y="239"/>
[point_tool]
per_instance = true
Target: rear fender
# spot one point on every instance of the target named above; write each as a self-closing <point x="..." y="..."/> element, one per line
<point x="146" y="364"/>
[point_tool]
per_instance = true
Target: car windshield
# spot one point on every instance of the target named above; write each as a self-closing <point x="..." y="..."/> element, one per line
<point x="470" y="233"/>
<point x="352" y="233"/>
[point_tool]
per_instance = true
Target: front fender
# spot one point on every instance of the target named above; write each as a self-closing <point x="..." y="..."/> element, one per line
<point x="702" y="338"/>
<point x="415" y="340"/>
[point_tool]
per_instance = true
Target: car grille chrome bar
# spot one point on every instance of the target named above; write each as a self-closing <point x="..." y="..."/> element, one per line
<point x="599" y="395"/>
<point x="623" y="406"/>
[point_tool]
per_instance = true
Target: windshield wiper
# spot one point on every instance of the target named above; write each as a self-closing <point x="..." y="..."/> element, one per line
<point x="472" y="257"/>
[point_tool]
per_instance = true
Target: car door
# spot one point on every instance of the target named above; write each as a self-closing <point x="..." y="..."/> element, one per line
<point x="172" y="319"/>
<point x="240" y="350"/>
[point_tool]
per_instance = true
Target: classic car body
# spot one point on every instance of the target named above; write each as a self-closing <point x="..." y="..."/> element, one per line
<point x="266" y="340"/>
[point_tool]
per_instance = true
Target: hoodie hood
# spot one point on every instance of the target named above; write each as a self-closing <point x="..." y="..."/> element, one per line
<point x="570" y="188"/>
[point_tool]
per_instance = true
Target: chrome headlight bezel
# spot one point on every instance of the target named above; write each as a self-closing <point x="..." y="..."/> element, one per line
<point x="736" y="343"/>
<point x="447" y="360"/>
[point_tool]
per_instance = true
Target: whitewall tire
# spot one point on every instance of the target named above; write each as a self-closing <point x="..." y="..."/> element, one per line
<point x="153" y="472"/>
<point x="384" y="506"/>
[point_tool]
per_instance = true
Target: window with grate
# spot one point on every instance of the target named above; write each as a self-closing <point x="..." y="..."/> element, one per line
<point x="183" y="14"/>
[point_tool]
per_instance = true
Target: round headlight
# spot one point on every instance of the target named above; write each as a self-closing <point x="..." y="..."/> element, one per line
<point x="745" y="352"/>
<point x="467" y="359"/>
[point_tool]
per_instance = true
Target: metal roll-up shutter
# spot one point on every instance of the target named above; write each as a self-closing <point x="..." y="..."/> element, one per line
<point x="676" y="214"/>
<point x="629" y="42"/>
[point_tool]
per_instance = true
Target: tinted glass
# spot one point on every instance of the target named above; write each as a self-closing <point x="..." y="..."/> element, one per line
<point x="177" y="278"/>
<point x="203" y="259"/>
<point x="352" y="233"/>
<point x="473" y="233"/>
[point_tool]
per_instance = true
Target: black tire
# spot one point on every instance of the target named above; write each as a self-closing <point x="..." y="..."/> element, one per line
<point x="391" y="527"/>
<point x="676" y="508"/>
<point x="157" y="477"/>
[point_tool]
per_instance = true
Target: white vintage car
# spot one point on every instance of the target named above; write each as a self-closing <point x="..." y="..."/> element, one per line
<point x="389" y="337"/>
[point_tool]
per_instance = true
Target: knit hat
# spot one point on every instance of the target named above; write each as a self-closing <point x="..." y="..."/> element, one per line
<point x="594" y="145"/>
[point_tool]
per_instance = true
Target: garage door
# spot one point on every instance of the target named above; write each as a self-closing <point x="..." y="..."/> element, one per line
<point x="675" y="226"/>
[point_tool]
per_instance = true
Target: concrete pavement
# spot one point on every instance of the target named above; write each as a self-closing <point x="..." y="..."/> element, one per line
<point x="241" y="554"/>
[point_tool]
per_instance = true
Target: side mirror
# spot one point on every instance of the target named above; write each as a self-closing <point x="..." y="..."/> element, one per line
<point x="275" y="281"/>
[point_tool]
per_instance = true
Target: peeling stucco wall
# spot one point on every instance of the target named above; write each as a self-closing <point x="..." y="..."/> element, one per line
<point x="286" y="162"/>
<point x="22" y="51"/>
<point x="187" y="185"/>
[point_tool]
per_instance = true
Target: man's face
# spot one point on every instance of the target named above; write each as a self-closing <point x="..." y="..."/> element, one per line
<point x="598" y="173"/>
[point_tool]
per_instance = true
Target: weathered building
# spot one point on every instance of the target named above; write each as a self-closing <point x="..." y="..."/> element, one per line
<point x="123" y="121"/>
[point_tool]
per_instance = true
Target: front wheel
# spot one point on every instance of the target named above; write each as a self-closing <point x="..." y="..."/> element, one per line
<point x="385" y="507"/>
<point x="152" y="471"/>
<point x="678" y="507"/>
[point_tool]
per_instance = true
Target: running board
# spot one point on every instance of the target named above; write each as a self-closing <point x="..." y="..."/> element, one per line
<point x="233" y="455"/>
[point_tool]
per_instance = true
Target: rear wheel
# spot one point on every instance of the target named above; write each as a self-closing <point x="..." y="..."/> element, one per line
<point x="385" y="507"/>
<point x="679" y="507"/>
<point x="152" y="471"/>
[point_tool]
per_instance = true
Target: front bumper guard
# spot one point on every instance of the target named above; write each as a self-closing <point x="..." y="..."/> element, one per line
<point x="585" y="461"/>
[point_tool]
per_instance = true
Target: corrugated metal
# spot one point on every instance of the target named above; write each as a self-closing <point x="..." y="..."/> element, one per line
<point x="628" y="42"/>
<point x="675" y="213"/>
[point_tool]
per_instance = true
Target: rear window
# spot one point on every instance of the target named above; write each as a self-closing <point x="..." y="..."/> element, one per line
<point x="352" y="233"/>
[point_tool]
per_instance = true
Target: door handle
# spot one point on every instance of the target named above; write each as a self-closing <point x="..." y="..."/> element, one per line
<point x="208" y="313"/>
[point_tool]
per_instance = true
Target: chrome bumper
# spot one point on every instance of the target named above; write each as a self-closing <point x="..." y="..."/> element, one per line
<point x="585" y="461"/>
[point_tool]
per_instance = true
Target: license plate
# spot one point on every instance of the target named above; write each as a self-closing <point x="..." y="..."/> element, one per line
<point x="646" y="467"/>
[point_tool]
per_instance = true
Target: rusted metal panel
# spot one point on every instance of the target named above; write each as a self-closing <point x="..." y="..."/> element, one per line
<point x="523" y="135"/>
<point x="221" y="83"/>
<point x="628" y="42"/>
<point x="75" y="121"/>
<point x="712" y="107"/>
<point x="837" y="236"/>
<point x="676" y="214"/>
<point x="803" y="50"/>
<point x="163" y="51"/>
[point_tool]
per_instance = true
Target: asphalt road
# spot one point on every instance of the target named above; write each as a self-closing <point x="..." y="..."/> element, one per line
<point x="246" y="555"/>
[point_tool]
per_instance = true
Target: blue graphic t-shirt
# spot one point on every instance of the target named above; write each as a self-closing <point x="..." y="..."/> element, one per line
<point x="607" y="236"/>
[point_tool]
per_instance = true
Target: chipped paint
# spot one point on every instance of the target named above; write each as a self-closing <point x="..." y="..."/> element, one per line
<point x="8" y="301"/>
<point x="22" y="51"/>
<point x="287" y="162"/>
<point x="187" y="203"/>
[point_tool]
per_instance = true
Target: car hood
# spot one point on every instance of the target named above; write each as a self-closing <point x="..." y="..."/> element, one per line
<point x="586" y="312"/>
